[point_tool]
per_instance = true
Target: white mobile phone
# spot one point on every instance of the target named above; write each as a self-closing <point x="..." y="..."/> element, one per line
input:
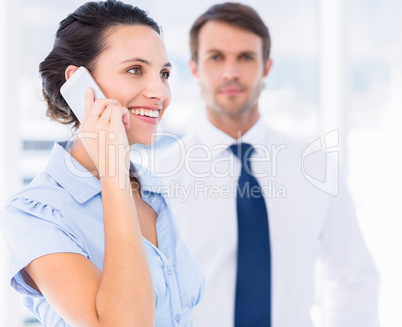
<point x="74" y="89"/>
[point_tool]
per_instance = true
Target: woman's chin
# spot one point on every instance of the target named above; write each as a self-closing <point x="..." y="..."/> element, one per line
<point x="143" y="139"/>
<point x="142" y="133"/>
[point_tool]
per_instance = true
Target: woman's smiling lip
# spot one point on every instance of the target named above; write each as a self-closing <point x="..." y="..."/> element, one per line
<point x="148" y="114"/>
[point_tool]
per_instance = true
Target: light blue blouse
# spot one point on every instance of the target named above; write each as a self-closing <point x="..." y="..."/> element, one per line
<point x="61" y="211"/>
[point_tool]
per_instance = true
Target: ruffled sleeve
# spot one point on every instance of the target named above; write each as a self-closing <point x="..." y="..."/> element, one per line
<point x="33" y="229"/>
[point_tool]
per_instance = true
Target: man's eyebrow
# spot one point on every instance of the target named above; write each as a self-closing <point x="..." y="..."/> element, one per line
<point x="248" y="52"/>
<point x="144" y="61"/>
<point x="214" y="50"/>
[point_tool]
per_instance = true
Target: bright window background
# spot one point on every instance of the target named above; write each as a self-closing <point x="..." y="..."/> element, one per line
<point x="367" y="55"/>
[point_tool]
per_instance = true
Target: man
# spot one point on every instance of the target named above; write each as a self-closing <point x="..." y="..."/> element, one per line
<point x="259" y="258"/>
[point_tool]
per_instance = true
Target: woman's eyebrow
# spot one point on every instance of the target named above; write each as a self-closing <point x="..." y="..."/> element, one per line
<point x="144" y="61"/>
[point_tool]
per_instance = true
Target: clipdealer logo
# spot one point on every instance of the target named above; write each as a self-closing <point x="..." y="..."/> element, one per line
<point x="329" y="144"/>
<point x="212" y="165"/>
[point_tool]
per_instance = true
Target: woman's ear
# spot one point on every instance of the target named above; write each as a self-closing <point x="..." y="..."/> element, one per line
<point x="69" y="71"/>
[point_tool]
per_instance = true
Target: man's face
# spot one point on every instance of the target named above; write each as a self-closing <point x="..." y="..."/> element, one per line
<point x="230" y="69"/>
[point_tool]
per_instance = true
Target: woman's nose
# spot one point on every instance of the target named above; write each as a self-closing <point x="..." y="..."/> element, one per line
<point x="156" y="88"/>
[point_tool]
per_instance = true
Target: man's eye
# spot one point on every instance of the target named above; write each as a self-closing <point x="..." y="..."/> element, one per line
<point x="216" y="57"/>
<point x="165" y="75"/>
<point x="135" y="70"/>
<point x="247" y="57"/>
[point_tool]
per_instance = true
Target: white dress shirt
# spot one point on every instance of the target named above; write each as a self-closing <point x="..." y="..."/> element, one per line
<point x="305" y="222"/>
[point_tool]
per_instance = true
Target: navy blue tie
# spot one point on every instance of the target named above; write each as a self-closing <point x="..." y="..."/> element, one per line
<point x="253" y="286"/>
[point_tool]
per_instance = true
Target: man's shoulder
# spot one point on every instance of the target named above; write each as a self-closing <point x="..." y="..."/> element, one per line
<point x="278" y="139"/>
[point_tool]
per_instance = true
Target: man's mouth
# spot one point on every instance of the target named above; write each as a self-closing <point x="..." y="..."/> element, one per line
<point x="231" y="90"/>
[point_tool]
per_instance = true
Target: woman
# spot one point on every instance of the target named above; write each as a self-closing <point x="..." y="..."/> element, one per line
<point x="87" y="247"/>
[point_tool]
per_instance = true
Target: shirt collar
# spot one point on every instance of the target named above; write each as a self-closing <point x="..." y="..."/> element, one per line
<point x="148" y="181"/>
<point x="70" y="174"/>
<point x="82" y="184"/>
<point x="218" y="141"/>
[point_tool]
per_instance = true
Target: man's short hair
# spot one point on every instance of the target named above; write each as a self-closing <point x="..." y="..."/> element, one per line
<point x="235" y="14"/>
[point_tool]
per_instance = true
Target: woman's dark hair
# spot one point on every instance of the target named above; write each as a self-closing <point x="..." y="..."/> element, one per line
<point x="79" y="40"/>
<point x="235" y="14"/>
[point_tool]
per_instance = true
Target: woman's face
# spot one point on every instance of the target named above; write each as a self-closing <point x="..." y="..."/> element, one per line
<point x="134" y="70"/>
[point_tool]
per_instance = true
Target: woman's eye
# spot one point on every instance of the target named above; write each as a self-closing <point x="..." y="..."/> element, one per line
<point x="165" y="75"/>
<point x="135" y="71"/>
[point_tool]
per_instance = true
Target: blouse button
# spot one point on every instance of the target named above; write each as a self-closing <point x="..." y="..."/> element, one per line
<point x="178" y="318"/>
<point x="169" y="270"/>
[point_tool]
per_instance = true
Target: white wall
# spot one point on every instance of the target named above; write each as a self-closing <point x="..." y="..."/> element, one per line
<point x="309" y="30"/>
<point x="10" y="309"/>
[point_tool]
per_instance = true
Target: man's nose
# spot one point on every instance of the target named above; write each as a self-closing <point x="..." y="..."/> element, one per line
<point x="231" y="70"/>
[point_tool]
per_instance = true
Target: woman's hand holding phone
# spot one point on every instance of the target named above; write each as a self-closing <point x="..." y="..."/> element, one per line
<point x="103" y="122"/>
<point x="103" y="134"/>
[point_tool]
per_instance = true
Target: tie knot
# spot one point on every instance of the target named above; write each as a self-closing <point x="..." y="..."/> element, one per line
<point x="242" y="150"/>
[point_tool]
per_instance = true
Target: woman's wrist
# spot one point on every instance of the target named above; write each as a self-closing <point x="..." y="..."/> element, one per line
<point x="119" y="181"/>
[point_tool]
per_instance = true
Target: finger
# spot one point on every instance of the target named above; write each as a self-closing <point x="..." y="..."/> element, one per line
<point x="89" y="101"/>
<point x="112" y="114"/>
<point x="104" y="120"/>
<point x="121" y="115"/>
<point x="111" y="122"/>
<point x="100" y="105"/>
<point x="126" y="118"/>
